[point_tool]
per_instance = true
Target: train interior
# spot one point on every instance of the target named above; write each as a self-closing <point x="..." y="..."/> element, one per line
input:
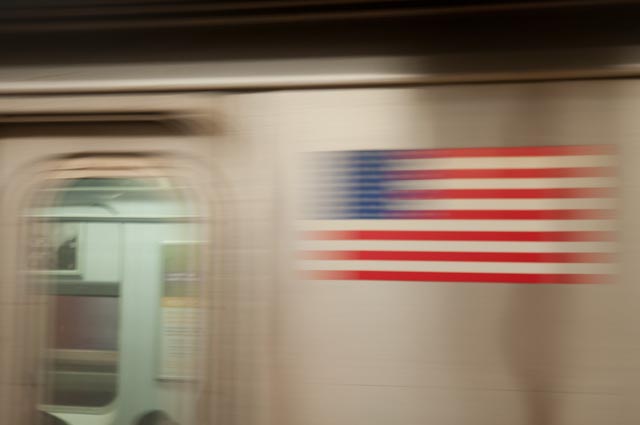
<point x="114" y="255"/>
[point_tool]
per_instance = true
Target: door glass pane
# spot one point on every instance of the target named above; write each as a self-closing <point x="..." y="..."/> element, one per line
<point x="116" y="259"/>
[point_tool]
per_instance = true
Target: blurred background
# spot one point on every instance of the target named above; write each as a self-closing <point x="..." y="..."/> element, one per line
<point x="320" y="212"/>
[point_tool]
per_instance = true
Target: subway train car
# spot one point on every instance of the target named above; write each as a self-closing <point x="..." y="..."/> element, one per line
<point x="261" y="215"/>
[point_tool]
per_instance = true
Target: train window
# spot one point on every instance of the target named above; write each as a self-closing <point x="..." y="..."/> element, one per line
<point x="83" y="352"/>
<point x="115" y="259"/>
<point x="56" y="251"/>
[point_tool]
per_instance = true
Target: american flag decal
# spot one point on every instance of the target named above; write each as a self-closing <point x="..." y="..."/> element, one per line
<point x="536" y="215"/>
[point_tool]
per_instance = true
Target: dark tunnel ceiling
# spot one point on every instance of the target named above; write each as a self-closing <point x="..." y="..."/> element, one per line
<point x="18" y="14"/>
<point x="47" y="31"/>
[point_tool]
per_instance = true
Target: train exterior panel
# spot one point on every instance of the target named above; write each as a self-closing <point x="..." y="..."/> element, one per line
<point x="274" y="344"/>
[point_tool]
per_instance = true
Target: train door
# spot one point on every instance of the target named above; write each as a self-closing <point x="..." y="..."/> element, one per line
<point x="106" y="248"/>
<point x="117" y="256"/>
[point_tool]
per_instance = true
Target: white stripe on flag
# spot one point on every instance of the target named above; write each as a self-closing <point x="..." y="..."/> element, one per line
<point x="506" y="183"/>
<point x="460" y="225"/>
<point x="503" y="162"/>
<point x="459" y="266"/>
<point x="455" y="246"/>
<point x="502" y="204"/>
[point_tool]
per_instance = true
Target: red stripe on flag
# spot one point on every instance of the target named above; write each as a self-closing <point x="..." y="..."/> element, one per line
<point x="505" y="152"/>
<point x="595" y="192"/>
<point x="517" y="257"/>
<point x="427" y="235"/>
<point x="524" y="278"/>
<point x="502" y="173"/>
<point x="580" y="214"/>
